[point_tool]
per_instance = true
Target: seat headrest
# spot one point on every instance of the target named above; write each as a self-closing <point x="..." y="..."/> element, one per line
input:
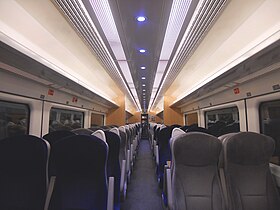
<point x="248" y="148"/>
<point x="100" y="134"/>
<point x="165" y="132"/>
<point x="115" y="130"/>
<point x="196" y="149"/>
<point x="55" y="136"/>
<point x="83" y="131"/>
<point x="177" y="132"/>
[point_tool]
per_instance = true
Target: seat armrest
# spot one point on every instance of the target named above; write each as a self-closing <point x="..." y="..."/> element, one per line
<point x="131" y="156"/>
<point x="164" y="188"/>
<point x="169" y="189"/>
<point x="154" y="146"/>
<point x="123" y="180"/>
<point x="157" y="155"/>
<point x="110" y="199"/>
<point x="152" y="141"/>
<point x="49" y="192"/>
<point x="128" y="166"/>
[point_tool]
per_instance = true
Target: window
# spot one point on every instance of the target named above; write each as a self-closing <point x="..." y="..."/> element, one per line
<point x="63" y="119"/>
<point x="222" y="121"/>
<point x="269" y="125"/>
<point x="191" y="119"/>
<point x="97" y="120"/>
<point x="14" y="119"/>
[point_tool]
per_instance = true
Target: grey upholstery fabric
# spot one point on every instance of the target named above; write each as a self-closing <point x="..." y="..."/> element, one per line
<point x="195" y="180"/>
<point x="249" y="181"/>
<point x="122" y="146"/>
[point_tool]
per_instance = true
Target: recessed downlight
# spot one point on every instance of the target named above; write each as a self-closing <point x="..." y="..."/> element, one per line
<point x="141" y="18"/>
<point x="143" y="77"/>
<point x="143" y="85"/>
<point x="143" y="67"/>
<point x="142" y="50"/>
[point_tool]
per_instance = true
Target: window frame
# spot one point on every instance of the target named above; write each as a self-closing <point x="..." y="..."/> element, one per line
<point x="66" y="110"/>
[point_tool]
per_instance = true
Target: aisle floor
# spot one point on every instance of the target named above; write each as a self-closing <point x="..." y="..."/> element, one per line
<point x="143" y="192"/>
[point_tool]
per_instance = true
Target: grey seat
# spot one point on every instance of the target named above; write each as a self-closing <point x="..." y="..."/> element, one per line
<point x="250" y="184"/>
<point x="195" y="180"/>
<point x="123" y="158"/>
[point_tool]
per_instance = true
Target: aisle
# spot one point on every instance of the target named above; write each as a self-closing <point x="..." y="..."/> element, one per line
<point x="143" y="192"/>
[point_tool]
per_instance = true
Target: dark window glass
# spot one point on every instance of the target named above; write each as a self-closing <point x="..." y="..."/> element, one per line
<point x="14" y="119"/>
<point x="222" y="121"/>
<point x="63" y="119"/>
<point x="270" y="125"/>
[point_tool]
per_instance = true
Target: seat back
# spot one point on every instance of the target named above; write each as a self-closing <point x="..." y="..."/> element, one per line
<point x="215" y="129"/>
<point x="81" y="177"/>
<point x="83" y="131"/>
<point x="94" y="128"/>
<point x="195" y="179"/>
<point x="231" y="128"/>
<point x="164" y="151"/>
<point x="128" y="135"/>
<point x="197" y="129"/>
<point x="52" y="138"/>
<point x="176" y="132"/>
<point x="55" y="136"/>
<point x="184" y="128"/>
<point x="123" y="144"/>
<point x="249" y="181"/>
<point x="113" y="164"/>
<point x="156" y="133"/>
<point x="23" y="174"/>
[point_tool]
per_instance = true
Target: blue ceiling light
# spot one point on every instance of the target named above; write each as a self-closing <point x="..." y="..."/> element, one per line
<point x="141" y="18"/>
<point x="142" y="50"/>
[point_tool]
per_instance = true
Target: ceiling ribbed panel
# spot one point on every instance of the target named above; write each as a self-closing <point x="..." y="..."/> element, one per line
<point x="73" y="11"/>
<point x="205" y="16"/>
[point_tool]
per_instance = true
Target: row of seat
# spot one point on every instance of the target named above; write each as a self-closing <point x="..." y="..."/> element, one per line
<point x="83" y="171"/>
<point x="230" y="172"/>
<point x="160" y="144"/>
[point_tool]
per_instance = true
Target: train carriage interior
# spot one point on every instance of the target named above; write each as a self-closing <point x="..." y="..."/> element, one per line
<point x="139" y="104"/>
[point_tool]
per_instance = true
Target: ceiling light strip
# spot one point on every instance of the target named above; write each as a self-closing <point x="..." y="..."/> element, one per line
<point x="87" y="30"/>
<point x="205" y="14"/>
<point x="94" y="43"/>
<point x="97" y="46"/>
<point x="194" y="40"/>
<point x="179" y="11"/>
<point x="106" y="20"/>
